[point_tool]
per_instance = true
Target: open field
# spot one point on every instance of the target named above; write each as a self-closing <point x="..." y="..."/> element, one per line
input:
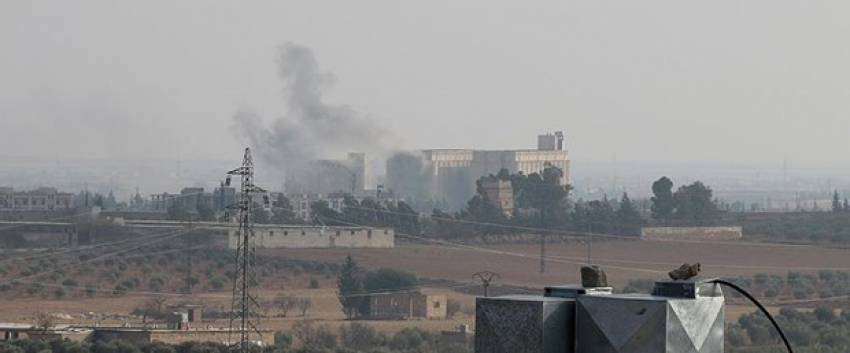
<point x="325" y="310"/>
<point x="518" y="264"/>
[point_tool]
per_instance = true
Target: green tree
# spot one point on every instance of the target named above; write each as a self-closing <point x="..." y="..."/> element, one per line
<point x="261" y="215"/>
<point x="836" y="202"/>
<point x="694" y="203"/>
<point x="662" y="201"/>
<point x="324" y="214"/>
<point x="349" y="287"/>
<point x="387" y="279"/>
<point x="629" y="220"/>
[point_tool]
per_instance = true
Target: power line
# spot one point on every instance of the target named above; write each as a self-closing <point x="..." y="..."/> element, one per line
<point x="579" y="234"/>
<point x="578" y="260"/>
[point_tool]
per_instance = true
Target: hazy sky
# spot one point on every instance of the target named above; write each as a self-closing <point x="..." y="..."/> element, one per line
<point x="722" y="81"/>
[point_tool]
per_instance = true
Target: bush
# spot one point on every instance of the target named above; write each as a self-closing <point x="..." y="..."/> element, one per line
<point x="389" y="279"/>
<point x="282" y="340"/>
<point x="360" y="337"/>
<point x="314" y="283"/>
<point x="217" y="283"/>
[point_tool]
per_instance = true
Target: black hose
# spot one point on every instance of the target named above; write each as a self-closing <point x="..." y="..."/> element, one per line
<point x="762" y="308"/>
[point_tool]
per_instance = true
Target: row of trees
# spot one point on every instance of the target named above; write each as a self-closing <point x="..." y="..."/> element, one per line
<point x="822" y="330"/>
<point x="369" y="212"/>
<point x="837" y="205"/>
<point x="540" y="201"/>
<point x="692" y="203"/>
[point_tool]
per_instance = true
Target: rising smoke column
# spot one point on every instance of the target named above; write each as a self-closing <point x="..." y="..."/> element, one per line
<point x="311" y="128"/>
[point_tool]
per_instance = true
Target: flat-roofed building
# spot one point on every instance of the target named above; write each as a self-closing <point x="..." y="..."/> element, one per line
<point x="449" y="175"/>
<point x="40" y="199"/>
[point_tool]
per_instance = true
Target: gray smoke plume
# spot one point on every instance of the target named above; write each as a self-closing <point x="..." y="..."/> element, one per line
<point x="311" y="128"/>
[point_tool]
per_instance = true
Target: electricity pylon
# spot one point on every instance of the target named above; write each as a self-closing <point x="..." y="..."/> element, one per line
<point x="244" y="310"/>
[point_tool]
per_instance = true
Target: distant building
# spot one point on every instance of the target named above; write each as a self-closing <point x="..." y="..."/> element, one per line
<point x="191" y="198"/>
<point x="692" y="233"/>
<point x="413" y="305"/>
<point x="302" y="203"/>
<point x="324" y="176"/>
<point x="40" y="199"/>
<point x="223" y="196"/>
<point x="450" y="174"/>
<point x="500" y="193"/>
<point x="271" y="236"/>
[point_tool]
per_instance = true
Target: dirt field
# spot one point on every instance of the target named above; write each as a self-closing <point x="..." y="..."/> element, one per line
<point x="519" y="264"/>
<point x="325" y="310"/>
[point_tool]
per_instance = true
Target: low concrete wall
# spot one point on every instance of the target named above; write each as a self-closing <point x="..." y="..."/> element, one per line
<point x="319" y="237"/>
<point x="217" y="336"/>
<point x="691" y="233"/>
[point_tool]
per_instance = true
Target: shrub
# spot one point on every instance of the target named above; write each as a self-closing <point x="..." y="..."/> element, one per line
<point x="314" y="283"/>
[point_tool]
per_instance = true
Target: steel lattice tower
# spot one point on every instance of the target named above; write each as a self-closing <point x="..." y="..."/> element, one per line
<point x="244" y="314"/>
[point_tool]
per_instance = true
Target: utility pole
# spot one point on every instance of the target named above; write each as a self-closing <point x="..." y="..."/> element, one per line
<point x="189" y="258"/>
<point x="244" y="313"/>
<point x="542" y="241"/>
<point x="486" y="277"/>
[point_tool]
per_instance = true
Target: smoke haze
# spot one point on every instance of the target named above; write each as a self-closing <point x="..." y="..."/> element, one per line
<point x="311" y="128"/>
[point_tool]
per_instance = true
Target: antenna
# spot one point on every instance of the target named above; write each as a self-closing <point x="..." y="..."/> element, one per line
<point x="486" y="277"/>
<point x="244" y="307"/>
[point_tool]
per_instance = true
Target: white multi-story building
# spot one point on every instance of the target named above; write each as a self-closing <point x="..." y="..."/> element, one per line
<point x="452" y="173"/>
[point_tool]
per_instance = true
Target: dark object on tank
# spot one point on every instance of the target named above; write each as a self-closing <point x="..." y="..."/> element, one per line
<point x="593" y="276"/>
<point x="686" y="271"/>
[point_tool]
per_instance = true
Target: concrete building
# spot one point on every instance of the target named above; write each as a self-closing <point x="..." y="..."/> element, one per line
<point x="500" y="193"/>
<point x="413" y="305"/>
<point x="223" y="196"/>
<point x="301" y="203"/>
<point x="284" y="236"/>
<point x="40" y="199"/>
<point x="692" y="233"/>
<point x="450" y="174"/>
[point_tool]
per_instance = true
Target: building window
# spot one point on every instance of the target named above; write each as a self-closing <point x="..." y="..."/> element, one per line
<point x="285" y="233"/>
<point x="436" y="305"/>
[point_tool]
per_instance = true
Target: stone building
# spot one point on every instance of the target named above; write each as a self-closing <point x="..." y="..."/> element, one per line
<point x="411" y="305"/>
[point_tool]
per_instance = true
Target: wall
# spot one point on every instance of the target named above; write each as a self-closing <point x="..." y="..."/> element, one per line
<point x="691" y="233"/>
<point x="218" y="336"/>
<point x="319" y="237"/>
